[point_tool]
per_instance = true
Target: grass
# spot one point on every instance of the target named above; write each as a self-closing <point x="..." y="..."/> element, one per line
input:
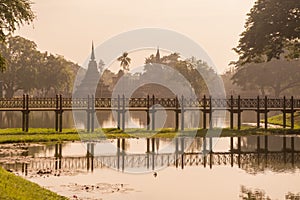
<point x="278" y="120"/>
<point x="14" y="187"/>
<point x="49" y="135"/>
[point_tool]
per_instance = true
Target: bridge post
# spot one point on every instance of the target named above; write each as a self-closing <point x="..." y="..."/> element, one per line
<point x="148" y="112"/>
<point x="182" y="113"/>
<point x="284" y="112"/>
<point x="61" y="113"/>
<point x="27" y="113"/>
<point x="56" y="112"/>
<point x="292" y="113"/>
<point x="266" y="112"/>
<point x="210" y="113"/>
<point x="93" y="114"/>
<point x="204" y="112"/>
<point x="24" y="112"/>
<point x="153" y="112"/>
<point x="118" y="114"/>
<point x="258" y="114"/>
<point x="88" y="114"/>
<point x="176" y="114"/>
<point x="123" y="112"/>
<point x="231" y="112"/>
<point x="239" y="113"/>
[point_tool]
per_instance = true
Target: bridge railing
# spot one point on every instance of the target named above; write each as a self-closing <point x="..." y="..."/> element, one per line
<point x="53" y="103"/>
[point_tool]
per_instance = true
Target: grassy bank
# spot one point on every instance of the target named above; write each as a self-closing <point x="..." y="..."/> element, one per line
<point x="49" y="135"/>
<point x="278" y="120"/>
<point x="14" y="187"/>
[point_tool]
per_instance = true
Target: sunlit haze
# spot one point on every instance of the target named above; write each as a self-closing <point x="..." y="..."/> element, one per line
<point x="67" y="27"/>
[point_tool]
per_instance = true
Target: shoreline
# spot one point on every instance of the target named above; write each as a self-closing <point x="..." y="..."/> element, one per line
<point x="12" y="135"/>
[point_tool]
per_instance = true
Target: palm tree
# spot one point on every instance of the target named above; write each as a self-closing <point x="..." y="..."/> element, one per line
<point x="124" y="61"/>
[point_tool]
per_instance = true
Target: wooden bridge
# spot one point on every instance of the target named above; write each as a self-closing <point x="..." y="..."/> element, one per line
<point x="120" y="105"/>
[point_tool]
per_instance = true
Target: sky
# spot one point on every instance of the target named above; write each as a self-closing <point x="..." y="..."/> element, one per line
<point x="67" y="27"/>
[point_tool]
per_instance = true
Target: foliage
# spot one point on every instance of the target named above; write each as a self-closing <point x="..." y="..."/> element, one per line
<point x="14" y="187"/>
<point x="277" y="76"/>
<point x="29" y="69"/>
<point x="196" y="72"/>
<point x="124" y="61"/>
<point x="13" y="14"/>
<point x="272" y="29"/>
<point x="278" y="120"/>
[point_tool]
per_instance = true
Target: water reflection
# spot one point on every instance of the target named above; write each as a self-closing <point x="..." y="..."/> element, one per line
<point x="253" y="154"/>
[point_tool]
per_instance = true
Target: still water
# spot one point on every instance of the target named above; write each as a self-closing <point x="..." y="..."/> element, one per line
<point x="182" y="168"/>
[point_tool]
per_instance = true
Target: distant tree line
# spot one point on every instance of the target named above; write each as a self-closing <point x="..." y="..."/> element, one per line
<point x="32" y="71"/>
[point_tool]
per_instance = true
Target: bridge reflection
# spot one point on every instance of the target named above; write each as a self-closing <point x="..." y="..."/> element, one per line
<point x="253" y="155"/>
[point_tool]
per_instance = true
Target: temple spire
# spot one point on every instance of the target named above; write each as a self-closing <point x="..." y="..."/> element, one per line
<point x="157" y="55"/>
<point x="93" y="52"/>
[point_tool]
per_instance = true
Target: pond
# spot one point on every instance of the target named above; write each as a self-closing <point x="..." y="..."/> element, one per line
<point x="182" y="168"/>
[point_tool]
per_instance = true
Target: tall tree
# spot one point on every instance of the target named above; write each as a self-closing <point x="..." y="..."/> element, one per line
<point x="13" y="14"/>
<point x="22" y="60"/>
<point x="30" y="70"/>
<point x="272" y="29"/>
<point x="124" y="61"/>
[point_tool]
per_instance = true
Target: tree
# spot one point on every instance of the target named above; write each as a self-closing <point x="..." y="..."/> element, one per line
<point x="277" y="76"/>
<point x="30" y="70"/>
<point x="272" y="29"/>
<point x="13" y="14"/>
<point x="124" y="61"/>
<point x="22" y="60"/>
<point x="191" y="69"/>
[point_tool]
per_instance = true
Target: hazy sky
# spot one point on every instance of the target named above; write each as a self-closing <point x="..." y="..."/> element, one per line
<point x="67" y="27"/>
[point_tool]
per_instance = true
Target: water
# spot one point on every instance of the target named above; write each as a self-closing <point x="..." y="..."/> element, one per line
<point x="186" y="168"/>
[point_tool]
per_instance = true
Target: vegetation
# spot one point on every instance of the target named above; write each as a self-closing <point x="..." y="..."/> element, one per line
<point x="124" y="61"/>
<point x="278" y="120"/>
<point x="269" y="48"/>
<point x="272" y="29"/>
<point x="49" y="135"/>
<point x="197" y="72"/>
<point x="29" y="69"/>
<point x="276" y="76"/>
<point x="15" y="187"/>
<point x="13" y="14"/>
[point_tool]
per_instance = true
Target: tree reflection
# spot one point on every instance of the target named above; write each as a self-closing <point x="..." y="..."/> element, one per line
<point x="258" y="194"/>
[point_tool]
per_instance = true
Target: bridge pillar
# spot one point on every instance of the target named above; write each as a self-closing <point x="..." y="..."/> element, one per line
<point x="119" y="114"/>
<point x="176" y="114"/>
<point x="153" y="113"/>
<point x="292" y="112"/>
<point x="266" y="112"/>
<point x="204" y="112"/>
<point x="182" y="113"/>
<point x="25" y="113"/>
<point x="123" y="112"/>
